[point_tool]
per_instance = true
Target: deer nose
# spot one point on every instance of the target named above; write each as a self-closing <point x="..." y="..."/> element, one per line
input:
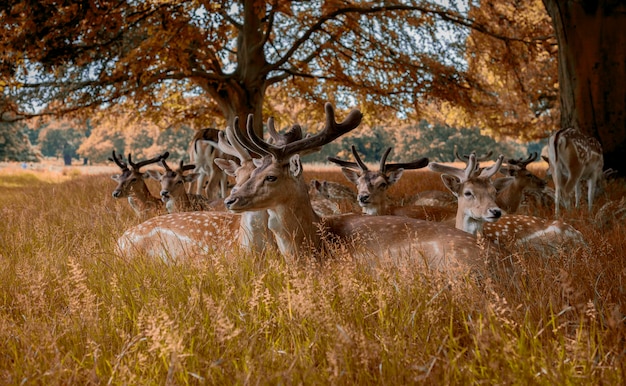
<point x="364" y="198"/>
<point x="165" y="193"/>
<point x="495" y="212"/>
<point x="228" y="202"/>
<point x="117" y="194"/>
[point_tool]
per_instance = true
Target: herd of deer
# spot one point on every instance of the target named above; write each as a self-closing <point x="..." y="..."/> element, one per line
<point x="272" y="207"/>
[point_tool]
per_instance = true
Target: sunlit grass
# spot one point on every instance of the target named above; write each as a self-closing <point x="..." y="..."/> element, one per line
<point x="72" y="312"/>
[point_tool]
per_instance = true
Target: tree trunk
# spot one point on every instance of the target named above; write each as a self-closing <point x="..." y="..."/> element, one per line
<point x="592" y="71"/>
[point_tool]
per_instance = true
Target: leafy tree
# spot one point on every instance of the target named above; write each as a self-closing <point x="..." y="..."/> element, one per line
<point x="197" y="60"/>
<point x="15" y="145"/>
<point x="60" y="138"/>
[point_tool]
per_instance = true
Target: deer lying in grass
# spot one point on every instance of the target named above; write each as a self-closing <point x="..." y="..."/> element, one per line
<point x="519" y="181"/>
<point x="278" y="186"/>
<point x="372" y="188"/>
<point x="574" y="157"/>
<point x="131" y="184"/>
<point x="176" y="235"/>
<point x="173" y="192"/>
<point x="343" y="197"/>
<point x="478" y="212"/>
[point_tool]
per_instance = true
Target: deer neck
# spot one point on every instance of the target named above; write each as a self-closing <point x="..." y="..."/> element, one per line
<point x="468" y="224"/>
<point x="253" y="231"/>
<point x="294" y="222"/>
<point x="510" y="197"/>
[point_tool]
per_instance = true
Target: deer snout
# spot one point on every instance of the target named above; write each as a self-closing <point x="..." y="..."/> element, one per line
<point x="494" y="214"/>
<point x="165" y="195"/>
<point x="363" y="198"/>
<point x="117" y="193"/>
<point x="229" y="202"/>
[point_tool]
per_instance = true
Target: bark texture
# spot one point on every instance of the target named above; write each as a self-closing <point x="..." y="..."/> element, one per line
<point x="592" y="71"/>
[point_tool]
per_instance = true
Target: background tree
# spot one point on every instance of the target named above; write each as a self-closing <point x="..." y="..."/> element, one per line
<point x="400" y="57"/>
<point x="15" y="145"/>
<point x="60" y="138"/>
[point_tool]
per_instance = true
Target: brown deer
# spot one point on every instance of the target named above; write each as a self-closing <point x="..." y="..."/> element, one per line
<point x="176" y="235"/>
<point x="518" y="182"/>
<point x="277" y="185"/>
<point x="478" y="212"/>
<point x="574" y="157"/>
<point x="203" y="150"/>
<point x="173" y="192"/>
<point x="342" y="196"/>
<point x="131" y="184"/>
<point x="372" y="188"/>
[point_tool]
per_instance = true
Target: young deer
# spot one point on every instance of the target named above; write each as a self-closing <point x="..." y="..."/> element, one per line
<point x="372" y="188"/>
<point x="173" y="192"/>
<point x="574" y="157"/>
<point x="519" y="181"/>
<point x="278" y="186"/>
<point x="341" y="195"/>
<point x="131" y="184"/>
<point x="478" y="212"/>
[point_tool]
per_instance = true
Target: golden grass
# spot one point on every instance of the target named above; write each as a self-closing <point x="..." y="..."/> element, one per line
<point x="72" y="312"/>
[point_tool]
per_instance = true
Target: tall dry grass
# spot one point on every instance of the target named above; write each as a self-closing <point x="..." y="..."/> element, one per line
<point x="72" y="312"/>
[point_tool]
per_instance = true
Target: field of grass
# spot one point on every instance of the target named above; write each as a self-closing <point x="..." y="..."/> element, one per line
<point x="74" y="313"/>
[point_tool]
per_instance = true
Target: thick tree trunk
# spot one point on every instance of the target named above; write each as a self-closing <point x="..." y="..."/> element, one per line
<point x="592" y="71"/>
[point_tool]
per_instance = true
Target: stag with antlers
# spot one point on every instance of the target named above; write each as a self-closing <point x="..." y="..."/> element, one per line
<point x="173" y="192"/>
<point x="478" y="212"/>
<point x="372" y="187"/>
<point x="131" y="184"/>
<point x="518" y="182"/>
<point x="277" y="185"/>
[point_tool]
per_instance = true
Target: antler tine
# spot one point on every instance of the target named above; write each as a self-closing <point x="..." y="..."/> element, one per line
<point x="165" y="165"/>
<point x="493" y="169"/>
<point x="471" y="167"/>
<point x="465" y="157"/>
<point x="229" y="145"/>
<point x="118" y="161"/>
<point x="383" y="159"/>
<point x="137" y="166"/>
<point x="271" y="130"/>
<point x="359" y="162"/>
<point x="340" y="162"/>
<point x="248" y="141"/>
<point x="522" y="163"/>
<point x="182" y="167"/>
<point x="331" y="131"/>
<point x="417" y="164"/>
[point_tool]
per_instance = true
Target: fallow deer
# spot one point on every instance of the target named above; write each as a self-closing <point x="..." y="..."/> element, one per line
<point x="372" y="188"/>
<point x="278" y="186"/>
<point x="341" y="195"/>
<point x="203" y="150"/>
<point x="131" y="184"/>
<point x="176" y="235"/>
<point x="173" y="192"/>
<point x="478" y="212"/>
<point x="574" y="157"/>
<point x="518" y="182"/>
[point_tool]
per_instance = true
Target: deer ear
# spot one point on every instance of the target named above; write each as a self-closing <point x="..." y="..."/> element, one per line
<point x="452" y="183"/>
<point x="191" y="177"/>
<point x="228" y="166"/>
<point x="394" y="176"/>
<point x="295" y="165"/>
<point x="351" y="175"/>
<point x="155" y="174"/>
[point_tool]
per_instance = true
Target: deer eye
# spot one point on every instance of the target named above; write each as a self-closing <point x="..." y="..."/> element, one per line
<point x="271" y="178"/>
<point x="468" y="194"/>
<point x="179" y="182"/>
<point x="383" y="185"/>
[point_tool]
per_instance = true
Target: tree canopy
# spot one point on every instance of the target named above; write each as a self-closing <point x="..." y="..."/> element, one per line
<point x="206" y="61"/>
<point x="490" y="64"/>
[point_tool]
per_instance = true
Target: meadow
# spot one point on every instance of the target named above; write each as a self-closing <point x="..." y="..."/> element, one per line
<point x="74" y="312"/>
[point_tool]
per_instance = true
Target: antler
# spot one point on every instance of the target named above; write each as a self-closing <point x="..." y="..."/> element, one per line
<point x="181" y="166"/>
<point x="521" y="162"/>
<point x="384" y="167"/>
<point x="119" y="161"/>
<point x="470" y="169"/>
<point x="229" y="145"/>
<point x="465" y="157"/>
<point x="331" y="131"/>
<point x="141" y="164"/>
